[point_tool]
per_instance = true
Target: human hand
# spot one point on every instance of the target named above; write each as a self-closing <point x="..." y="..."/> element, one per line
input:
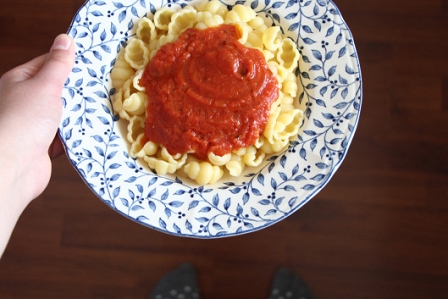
<point x="30" y="112"/>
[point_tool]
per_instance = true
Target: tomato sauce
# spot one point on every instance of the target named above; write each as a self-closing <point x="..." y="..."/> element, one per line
<point x="207" y="93"/>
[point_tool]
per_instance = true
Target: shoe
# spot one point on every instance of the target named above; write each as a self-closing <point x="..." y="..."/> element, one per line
<point x="288" y="285"/>
<point x="180" y="283"/>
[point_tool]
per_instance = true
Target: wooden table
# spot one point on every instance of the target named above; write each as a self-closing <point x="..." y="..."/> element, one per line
<point x="378" y="230"/>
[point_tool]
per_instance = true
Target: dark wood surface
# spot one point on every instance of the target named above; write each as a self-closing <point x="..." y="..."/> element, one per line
<point x="378" y="230"/>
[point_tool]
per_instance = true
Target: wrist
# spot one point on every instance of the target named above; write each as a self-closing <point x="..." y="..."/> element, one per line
<point x="15" y="186"/>
<point x="11" y="201"/>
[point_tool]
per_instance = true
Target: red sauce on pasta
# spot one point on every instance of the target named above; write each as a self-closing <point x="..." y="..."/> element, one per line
<point x="207" y="93"/>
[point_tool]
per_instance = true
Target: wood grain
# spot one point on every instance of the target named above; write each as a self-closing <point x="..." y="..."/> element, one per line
<point x="378" y="230"/>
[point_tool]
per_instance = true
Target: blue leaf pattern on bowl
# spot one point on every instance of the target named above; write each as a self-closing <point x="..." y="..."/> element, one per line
<point x="330" y="77"/>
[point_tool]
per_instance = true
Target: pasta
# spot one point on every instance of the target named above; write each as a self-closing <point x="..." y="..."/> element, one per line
<point x="136" y="53"/>
<point x="203" y="172"/>
<point x="130" y="100"/>
<point x="146" y="30"/>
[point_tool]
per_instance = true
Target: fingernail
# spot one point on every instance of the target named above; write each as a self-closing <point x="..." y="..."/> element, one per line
<point x="61" y="42"/>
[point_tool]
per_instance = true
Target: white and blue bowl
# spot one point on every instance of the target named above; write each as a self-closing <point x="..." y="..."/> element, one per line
<point x="94" y="138"/>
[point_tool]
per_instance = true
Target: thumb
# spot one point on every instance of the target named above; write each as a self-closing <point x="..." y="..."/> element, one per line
<point x="59" y="62"/>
